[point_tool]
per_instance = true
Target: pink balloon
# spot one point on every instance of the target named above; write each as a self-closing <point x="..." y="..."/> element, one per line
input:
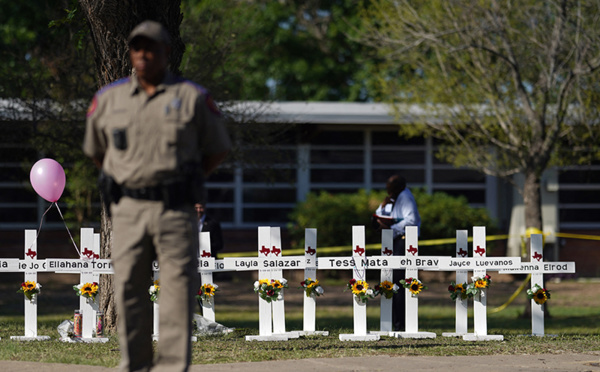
<point x="48" y="179"/>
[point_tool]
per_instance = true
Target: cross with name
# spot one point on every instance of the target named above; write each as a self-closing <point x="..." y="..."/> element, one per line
<point x="270" y="265"/>
<point x="412" y="263"/>
<point x="537" y="268"/>
<point x="356" y="264"/>
<point x="479" y="264"/>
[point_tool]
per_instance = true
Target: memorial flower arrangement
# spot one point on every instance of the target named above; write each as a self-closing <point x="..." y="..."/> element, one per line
<point x="458" y="291"/>
<point x="87" y="290"/>
<point x="361" y="290"/>
<point x="414" y="285"/>
<point x="270" y="289"/>
<point x="386" y="289"/>
<point x="30" y="289"/>
<point x="538" y="294"/>
<point x="207" y="291"/>
<point x="154" y="290"/>
<point x="312" y="288"/>
<point x="477" y="284"/>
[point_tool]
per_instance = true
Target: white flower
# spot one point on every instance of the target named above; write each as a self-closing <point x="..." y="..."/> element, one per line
<point x="283" y="281"/>
<point x="319" y="290"/>
<point x="395" y="287"/>
<point x="475" y="278"/>
<point x="256" y="284"/>
<point x="369" y="292"/>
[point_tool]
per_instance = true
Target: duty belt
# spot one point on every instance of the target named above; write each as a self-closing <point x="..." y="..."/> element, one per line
<point x="173" y="194"/>
<point x="147" y="193"/>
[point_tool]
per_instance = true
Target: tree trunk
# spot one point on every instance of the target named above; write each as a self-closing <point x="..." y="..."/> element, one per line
<point x="532" y="200"/>
<point x="110" y="23"/>
<point x="533" y="220"/>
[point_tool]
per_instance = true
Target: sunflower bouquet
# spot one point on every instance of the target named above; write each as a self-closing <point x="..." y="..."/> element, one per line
<point x="414" y="285"/>
<point x="270" y="289"/>
<point x="87" y="290"/>
<point x="538" y="294"/>
<point x="312" y="288"/>
<point x="478" y="284"/>
<point x="207" y="291"/>
<point x="458" y="291"/>
<point x="30" y="289"/>
<point x="154" y="290"/>
<point x="386" y="289"/>
<point x="361" y="290"/>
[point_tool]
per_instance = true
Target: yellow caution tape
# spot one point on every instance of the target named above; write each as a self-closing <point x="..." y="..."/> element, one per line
<point x="342" y="249"/>
<point x="512" y="298"/>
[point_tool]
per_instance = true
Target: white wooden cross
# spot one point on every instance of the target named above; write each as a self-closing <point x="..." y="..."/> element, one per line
<point x="537" y="267"/>
<point x="270" y="265"/>
<point x="412" y="271"/>
<point x="462" y="250"/>
<point x="207" y="266"/>
<point x="310" y="271"/>
<point x="385" y="306"/>
<point x="30" y="265"/>
<point x="358" y="272"/>
<point x="412" y="263"/>
<point x="89" y="267"/>
<point x="479" y="264"/>
<point x="89" y="307"/>
<point x="480" y="300"/>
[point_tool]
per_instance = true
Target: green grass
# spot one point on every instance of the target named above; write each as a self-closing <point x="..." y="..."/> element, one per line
<point x="572" y="329"/>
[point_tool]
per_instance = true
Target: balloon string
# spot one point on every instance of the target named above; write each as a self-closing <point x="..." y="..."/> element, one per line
<point x="71" y="236"/>
<point x="40" y="228"/>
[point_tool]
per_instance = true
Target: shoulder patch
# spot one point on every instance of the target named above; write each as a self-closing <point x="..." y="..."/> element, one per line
<point x="92" y="107"/>
<point x="212" y="106"/>
<point x="210" y="103"/>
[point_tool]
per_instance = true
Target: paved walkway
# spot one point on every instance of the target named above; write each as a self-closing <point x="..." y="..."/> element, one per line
<point x="545" y="362"/>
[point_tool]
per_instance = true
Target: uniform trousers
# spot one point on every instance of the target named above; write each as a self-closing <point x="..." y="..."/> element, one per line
<point x="143" y="231"/>
<point x="399" y="299"/>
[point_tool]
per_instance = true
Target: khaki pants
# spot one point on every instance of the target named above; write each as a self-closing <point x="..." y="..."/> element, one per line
<point x="142" y="232"/>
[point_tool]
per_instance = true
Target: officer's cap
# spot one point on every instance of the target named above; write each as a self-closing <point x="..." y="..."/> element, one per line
<point x="152" y="30"/>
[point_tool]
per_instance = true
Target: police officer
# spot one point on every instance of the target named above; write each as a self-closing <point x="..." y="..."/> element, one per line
<point x="154" y="135"/>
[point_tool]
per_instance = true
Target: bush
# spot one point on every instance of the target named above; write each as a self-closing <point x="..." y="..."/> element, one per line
<point x="334" y="215"/>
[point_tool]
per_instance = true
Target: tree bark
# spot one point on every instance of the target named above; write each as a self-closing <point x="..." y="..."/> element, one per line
<point x="110" y="22"/>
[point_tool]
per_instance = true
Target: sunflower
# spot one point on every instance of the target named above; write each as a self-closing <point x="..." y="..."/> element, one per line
<point x="386" y="288"/>
<point x="311" y="287"/>
<point x="207" y="291"/>
<point x="415" y="287"/>
<point x="28" y="286"/>
<point x="538" y="294"/>
<point x="360" y="287"/>
<point x="277" y="284"/>
<point x="270" y="289"/>
<point x="89" y="289"/>
<point x="480" y="284"/>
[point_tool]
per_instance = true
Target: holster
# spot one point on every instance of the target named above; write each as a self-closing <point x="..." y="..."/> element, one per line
<point x="110" y="191"/>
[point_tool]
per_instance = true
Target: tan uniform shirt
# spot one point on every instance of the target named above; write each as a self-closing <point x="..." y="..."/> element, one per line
<point x="145" y="139"/>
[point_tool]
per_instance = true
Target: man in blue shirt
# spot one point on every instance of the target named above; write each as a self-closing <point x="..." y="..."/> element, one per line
<point x="401" y="207"/>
